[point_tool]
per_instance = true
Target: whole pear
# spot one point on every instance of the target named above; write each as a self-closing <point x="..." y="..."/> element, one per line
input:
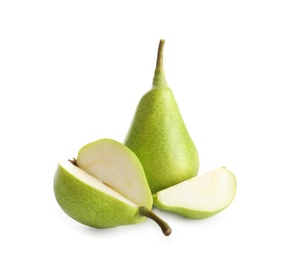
<point x="159" y="136"/>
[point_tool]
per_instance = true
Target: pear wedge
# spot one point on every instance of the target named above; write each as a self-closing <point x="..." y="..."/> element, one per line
<point x="105" y="187"/>
<point x="199" y="197"/>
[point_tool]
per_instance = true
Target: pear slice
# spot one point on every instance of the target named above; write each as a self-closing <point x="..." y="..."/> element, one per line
<point x="199" y="197"/>
<point x="124" y="196"/>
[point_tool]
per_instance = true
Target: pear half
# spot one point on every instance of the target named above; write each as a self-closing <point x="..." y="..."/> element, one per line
<point x="105" y="187"/>
<point x="199" y="197"/>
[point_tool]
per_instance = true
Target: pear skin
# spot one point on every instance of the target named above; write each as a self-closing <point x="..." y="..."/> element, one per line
<point x="159" y="136"/>
<point x="89" y="203"/>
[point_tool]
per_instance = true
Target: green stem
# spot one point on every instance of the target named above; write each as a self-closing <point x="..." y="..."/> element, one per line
<point x="160" y="55"/>
<point x="143" y="211"/>
<point x="159" y="79"/>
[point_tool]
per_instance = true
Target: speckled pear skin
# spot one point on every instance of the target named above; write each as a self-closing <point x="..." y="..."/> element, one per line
<point x="159" y="137"/>
<point x="90" y="206"/>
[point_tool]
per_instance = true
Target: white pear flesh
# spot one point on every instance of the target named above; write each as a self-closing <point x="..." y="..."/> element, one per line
<point x="118" y="167"/>
<point x="201" y="196"/>
<point x="93" y="182"/>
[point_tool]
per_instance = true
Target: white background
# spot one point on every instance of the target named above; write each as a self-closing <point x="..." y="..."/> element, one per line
<point x="72" y="72"/>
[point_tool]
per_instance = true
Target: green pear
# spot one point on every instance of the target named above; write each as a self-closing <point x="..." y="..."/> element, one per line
<point x="199" y="197"/>
<point x="159" y="137"/>
<point x="105" y="187"/>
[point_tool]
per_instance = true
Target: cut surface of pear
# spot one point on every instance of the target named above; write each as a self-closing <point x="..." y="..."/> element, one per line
<point x="118" y="167"/>
<point x="159" y="137"/>
<point x="123" y="198"/>
<point x="199" y="197"/>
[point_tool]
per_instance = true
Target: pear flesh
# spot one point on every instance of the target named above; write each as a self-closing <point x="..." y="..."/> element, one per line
<point x="105" y="187"/>
<point x="106" y="161"/>
<point x="159" y="137"/>
<point x="199" y="197"/>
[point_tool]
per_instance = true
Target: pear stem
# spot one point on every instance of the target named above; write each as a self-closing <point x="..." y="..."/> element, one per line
<point x="143" y="211"/>
<point x="159" y="79"/>
<point x="73" y="161"/>
<point x="160" y="55"/>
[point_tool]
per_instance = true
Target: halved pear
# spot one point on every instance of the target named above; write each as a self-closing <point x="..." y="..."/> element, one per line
<point x="199" y="197"/>
<point x="118" y="167"/>
<point x="105" y="187"/>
